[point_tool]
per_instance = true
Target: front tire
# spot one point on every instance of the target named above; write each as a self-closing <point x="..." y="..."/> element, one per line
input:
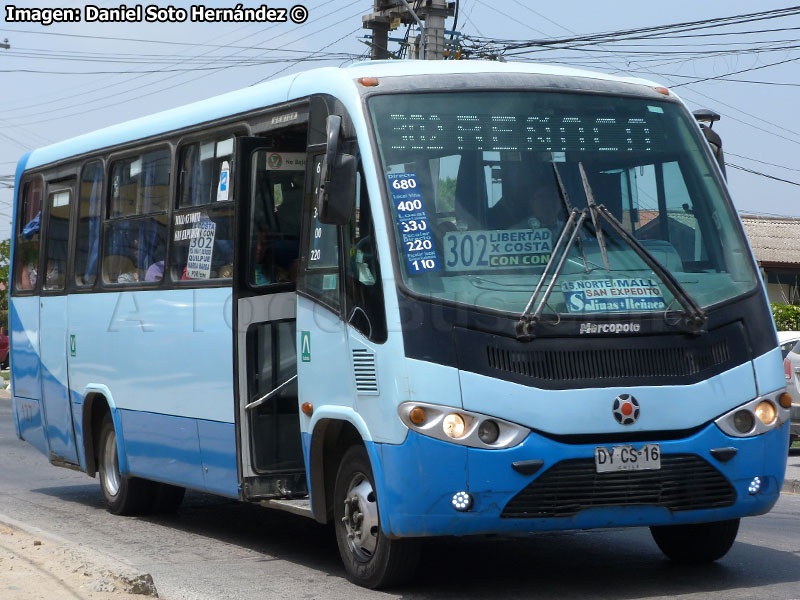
<point x="123" y="496"/>
<point x="370" y="558"/>
<point x="698" y="543"/>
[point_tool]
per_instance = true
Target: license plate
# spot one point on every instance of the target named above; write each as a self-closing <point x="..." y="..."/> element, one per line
<point x="627" y="458"/>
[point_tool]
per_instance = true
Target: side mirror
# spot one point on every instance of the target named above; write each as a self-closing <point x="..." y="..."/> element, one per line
<point x="337" y="179"/>
<point x="704" y="116"/>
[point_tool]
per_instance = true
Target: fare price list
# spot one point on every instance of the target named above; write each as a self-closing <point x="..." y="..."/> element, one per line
<point x="412" y="222"/>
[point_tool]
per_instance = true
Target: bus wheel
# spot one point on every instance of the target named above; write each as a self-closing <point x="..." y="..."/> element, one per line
<point x="370" y="558"/>
<point x="697" y="543"/>
<point x="123" y="496"/>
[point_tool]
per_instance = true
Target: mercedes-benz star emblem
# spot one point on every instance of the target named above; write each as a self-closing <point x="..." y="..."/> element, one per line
<point x="626" y="409"/>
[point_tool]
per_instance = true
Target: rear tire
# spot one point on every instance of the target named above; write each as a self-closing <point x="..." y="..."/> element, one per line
<point x="370" y="558"/>
<point x="698" y="543"/>
<point x="123" y="496"/>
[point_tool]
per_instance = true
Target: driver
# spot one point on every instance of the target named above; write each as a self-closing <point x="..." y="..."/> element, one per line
<point x="530" y="198"/>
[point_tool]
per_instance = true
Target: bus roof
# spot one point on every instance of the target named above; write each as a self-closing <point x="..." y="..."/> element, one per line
<point x="281" y="90"/>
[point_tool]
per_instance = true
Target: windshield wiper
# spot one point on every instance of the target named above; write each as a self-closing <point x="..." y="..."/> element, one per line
<point x="527" y="323"/>
<point x="598" y="230"/>
<point x="562" y="191"/>
<point x="695" y="316"/>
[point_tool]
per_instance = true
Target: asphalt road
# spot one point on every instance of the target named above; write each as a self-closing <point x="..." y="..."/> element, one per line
<point x="217" y="549"/>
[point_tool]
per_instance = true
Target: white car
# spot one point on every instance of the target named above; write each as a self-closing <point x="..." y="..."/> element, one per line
<point x="790" y="348"/>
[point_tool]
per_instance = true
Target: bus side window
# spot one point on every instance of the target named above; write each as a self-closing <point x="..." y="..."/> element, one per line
<point x="57" y="240"/>
<point x="202" y="243"/>
<point x="26" y="252"/>
<point x="321" y="253"/>
<point x="136" y="229"/>
<point x="364" y="288"/>
<point x="88" y="231"/>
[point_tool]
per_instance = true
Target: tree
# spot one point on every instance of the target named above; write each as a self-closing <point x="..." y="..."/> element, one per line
<point x="5" y="262"/>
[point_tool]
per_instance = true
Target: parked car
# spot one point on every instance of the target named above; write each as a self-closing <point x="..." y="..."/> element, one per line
<point x="3" y="348"/>
<point x="787" y="340"/>
<point x="791" y="366"/>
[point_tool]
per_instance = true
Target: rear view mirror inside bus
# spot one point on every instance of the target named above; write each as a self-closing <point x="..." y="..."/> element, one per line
<point x="337" y="187"/>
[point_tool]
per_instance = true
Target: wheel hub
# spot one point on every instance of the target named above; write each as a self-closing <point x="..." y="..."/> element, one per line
<point x="361" y="518"/>
<point x="111" y="465"/>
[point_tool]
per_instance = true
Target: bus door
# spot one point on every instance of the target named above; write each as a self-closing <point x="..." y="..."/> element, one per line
<point x="54" y="344"/>
<point x="270" y="177"/>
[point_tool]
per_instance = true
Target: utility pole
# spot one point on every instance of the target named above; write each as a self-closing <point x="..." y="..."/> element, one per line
<point x="428" y="15"/>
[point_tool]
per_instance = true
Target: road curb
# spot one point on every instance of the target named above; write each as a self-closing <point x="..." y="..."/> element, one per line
<point x="791" y="486"/>
<point x="103" y="566"/>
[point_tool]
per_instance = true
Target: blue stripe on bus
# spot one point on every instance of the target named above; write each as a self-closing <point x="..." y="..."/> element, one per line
<point x="168" y="449"/>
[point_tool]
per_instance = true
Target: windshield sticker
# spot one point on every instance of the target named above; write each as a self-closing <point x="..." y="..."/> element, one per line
<point x="412" y="222"/>
<point x="609" y="295"/>
<point x="201" y="249"/>
<point x="507" y="249"/>
<point x="222" y="188"/>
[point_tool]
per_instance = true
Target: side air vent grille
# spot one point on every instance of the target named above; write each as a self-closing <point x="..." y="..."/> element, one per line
<point x="364" y="370"/>
<point x="609" y="363"/>
<point x="684" y="482"/>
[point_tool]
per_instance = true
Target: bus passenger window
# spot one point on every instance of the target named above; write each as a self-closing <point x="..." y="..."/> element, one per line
<point x="365" y="308"/>
<point x="27" y="248"/>
<point x="87" y="241"/>
<point x="57" y="240"/>
<point x="202" y="244"/>
<point x="135" y="243"/>
<point x="202" y="166"/>
<point x="277" y="200"/>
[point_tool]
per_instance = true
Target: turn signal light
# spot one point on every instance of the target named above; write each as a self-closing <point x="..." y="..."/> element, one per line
<point x="785" y="400"/>
<point x="417" y="415"/>
<point x="307" y="408"/>
<point x="766" y="413"/>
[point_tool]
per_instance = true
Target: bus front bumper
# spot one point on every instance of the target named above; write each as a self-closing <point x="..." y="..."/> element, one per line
<point x="418" y="479"/>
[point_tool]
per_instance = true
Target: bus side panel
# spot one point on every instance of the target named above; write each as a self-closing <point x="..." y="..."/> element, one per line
<point x="218" y="451"/>
<point x="26" y="379"/>
<point x="158" y="351"/>
<point x="29" y="416"/>
<point x="162" y="448"/>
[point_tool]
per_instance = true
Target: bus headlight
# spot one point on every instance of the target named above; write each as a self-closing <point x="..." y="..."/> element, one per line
<point x="454" y="425"/>
<point x="755" y="417"/>
<point x="461" y="426"/>
<point x="765" y="411"/>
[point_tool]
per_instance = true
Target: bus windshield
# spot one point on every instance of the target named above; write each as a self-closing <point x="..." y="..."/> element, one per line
<point x="481" y="185"/>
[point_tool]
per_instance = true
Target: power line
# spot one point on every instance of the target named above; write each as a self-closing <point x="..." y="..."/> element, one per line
<point x="760" y="174"/>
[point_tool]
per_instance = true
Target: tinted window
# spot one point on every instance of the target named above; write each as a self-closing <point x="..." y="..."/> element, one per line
<point x="202" y="244"/>
<point x="57" y="240"/>
<point x="26" y="251"/>
<point x="205" y="169"/>
<point x="88" y="232"/>
<point x="140" y="184"/>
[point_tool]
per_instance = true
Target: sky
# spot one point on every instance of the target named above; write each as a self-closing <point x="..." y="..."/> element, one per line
<point x="55" y="86"/>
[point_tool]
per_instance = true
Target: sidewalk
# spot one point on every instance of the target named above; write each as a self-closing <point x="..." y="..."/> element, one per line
<point x="792" y="481"/>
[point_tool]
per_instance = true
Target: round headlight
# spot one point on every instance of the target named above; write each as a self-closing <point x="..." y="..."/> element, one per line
<point x="454" y="425"/>
<point x="743" y="421"/>
<point x="488" y="431"/>
<point x="766" y="413"/>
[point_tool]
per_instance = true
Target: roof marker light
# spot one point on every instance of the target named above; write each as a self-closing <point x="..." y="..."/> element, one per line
<point x="368" y="81"/>
<point x="662" y="90"/>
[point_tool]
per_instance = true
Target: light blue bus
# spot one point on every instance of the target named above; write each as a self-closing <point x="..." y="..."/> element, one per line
<point x="410" y="298"/>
